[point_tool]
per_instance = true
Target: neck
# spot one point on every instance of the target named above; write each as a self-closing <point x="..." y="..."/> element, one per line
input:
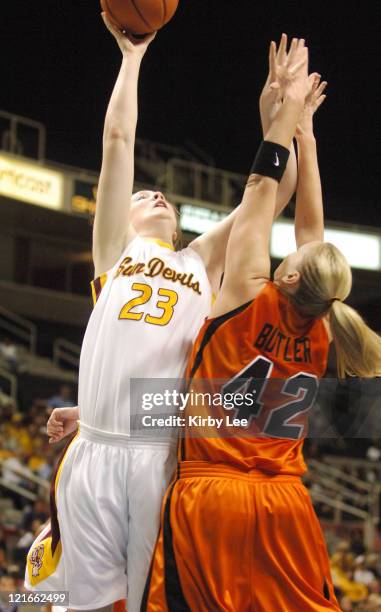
<point x="157" y="233"/>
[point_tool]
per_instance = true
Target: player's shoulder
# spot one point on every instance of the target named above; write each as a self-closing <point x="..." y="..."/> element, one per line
<point x="189" y="253"/>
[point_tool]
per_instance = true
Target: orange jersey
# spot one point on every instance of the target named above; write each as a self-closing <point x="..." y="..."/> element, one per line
<point x="254" y="375"/>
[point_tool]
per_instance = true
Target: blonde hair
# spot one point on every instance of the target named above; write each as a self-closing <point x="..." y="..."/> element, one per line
<point x="325" y="282"/>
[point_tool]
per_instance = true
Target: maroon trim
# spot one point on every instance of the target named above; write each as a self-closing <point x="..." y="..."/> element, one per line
<point x="97" y="287"/>
<point x="55" y="528"/>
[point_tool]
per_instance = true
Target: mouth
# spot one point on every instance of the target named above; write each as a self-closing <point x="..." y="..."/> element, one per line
<point x="160" y="204"/>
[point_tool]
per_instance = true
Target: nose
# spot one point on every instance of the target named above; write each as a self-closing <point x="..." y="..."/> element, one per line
<point x="158" y="195"/>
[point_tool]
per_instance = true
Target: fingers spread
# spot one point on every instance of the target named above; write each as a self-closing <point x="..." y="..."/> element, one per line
<point x="292" y="51"/>
<point x="320" y="101"/>
<point x="321" y="88"/>
<point x="272" y="61"/>
<point x="299" y="65"/>
<point x="281" y="55"/>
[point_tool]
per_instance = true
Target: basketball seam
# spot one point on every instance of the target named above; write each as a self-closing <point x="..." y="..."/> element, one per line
<point x="164" y="10"/>
<point x="141" y="15"/>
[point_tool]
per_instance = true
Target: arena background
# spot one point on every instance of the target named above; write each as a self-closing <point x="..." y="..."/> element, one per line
<point x="197" y="134"/>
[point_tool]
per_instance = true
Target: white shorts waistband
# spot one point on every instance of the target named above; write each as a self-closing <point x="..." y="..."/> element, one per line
<point x="112" y="438"/>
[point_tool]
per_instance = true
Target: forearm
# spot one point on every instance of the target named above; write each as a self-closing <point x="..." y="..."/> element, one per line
<point x="309" y="216"/>
<point x="122" y="111"/>
<point x="248" y="245"/>
<point x="250" y="235"/>
<point x="287" y="186"/>
<point x="283" y="127"/>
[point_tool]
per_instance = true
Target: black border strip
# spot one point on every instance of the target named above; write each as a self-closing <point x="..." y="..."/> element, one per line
<point x="213" y="327"/>
<point x="176" y="601"/>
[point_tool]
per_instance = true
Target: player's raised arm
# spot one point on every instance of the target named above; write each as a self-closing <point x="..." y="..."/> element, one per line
<point x="269" y="103"/>
<point x="212" y="245"/>
<point x="309" y="214"/>
<point x="247" y="266"/>
<point x="111" y="227"/>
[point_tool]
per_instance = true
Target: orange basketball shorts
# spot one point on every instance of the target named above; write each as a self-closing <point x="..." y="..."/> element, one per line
<point x="237" y="542"/>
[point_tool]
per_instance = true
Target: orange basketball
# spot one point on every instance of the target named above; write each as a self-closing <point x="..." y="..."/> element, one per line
<point x="140" y="16"/>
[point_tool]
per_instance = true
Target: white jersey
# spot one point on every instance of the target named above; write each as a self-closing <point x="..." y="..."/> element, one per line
<point x="149" y="309"/>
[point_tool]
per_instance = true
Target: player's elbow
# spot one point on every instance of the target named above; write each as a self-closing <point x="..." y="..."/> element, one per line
<point x="115" y="132"/>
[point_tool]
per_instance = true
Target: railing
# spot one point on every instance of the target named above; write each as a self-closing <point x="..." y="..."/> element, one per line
<point x="66" y="352"/>
<point x="344" y="493"/>
<point x="12" y="141"/>
<point x="43" y="485"/>
<point x="19" y="327"/>
<point x="201" y="182"/>
<point x="11" y="382"/>
<point x="365" y="520"/>
<point x="152" y="151"/>
<point x="355" y="466"/>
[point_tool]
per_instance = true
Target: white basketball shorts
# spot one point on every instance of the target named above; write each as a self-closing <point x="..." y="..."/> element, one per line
<point x="108" y="493"/>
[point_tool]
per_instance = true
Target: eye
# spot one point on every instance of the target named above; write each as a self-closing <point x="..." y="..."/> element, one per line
<point x="140" y="197"/>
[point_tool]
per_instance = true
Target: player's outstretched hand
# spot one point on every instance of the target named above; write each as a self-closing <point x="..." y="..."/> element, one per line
<point x="61" y="423"/>
<point x="127" y="43"/>
<point x="271" y="99"/>
<point x="314" y="100"/>
<point x="289" y="73"/>
<point x="279" y="61"/>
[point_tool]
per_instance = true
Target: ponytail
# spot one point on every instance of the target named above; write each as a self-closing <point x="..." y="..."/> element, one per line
<point x="325" y="282"/>
<point x="358" y="348"/>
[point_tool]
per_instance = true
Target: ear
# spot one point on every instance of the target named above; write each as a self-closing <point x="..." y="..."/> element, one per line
<point x="290" y="281"/>
<point x="174" y="237"/>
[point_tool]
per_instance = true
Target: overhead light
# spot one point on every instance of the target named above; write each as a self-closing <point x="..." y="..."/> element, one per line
<point x="361" y="249"/>
<point x="197" y="219"/>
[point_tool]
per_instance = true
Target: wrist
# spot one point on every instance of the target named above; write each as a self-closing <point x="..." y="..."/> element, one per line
<point x="268" y="107"/>
<point x="131" y="65"/>
<point x="306" y="137"/>
<point x="132" y="55"/>
<point x="294" y="100"/>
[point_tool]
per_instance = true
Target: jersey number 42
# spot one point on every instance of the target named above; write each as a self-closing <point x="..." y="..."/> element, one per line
<point x="277" y="403"/>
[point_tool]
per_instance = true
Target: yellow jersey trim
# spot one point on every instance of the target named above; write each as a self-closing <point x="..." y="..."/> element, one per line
<point x="161" y="243"/>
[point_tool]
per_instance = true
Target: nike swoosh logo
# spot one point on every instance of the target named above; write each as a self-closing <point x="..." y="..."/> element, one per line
<point x="276" y="163"/>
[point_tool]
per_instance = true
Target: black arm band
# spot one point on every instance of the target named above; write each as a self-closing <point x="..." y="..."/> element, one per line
<point x="271" y="160"/>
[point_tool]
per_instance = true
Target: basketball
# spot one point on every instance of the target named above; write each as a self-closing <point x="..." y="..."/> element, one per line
<point x="140" y="16"/>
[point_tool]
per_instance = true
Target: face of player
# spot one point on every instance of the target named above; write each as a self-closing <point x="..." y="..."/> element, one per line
<point x="150" y="212"/>
<point x="287" y="274"/>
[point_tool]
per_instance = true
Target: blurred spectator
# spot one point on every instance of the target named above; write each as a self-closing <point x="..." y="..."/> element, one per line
<point x="3" y="559"/>
<point x="361" y="573"/>
<point x="373" y="604"/>
<point x="342" y="567"/>
<point x="62" y="399"/>
<point x="7" y="585"/>
<point x="374" y="587"/>
<point x="15" y="469"/>
<point x="373" y="453"/>
<point x="346" y="604"/>
<point x="9" y="352"/>
<point x="39" y="512"/>
<point x="5" y="401"/>
<point x="25" y="541"/>
<point x="357" y="544"/>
